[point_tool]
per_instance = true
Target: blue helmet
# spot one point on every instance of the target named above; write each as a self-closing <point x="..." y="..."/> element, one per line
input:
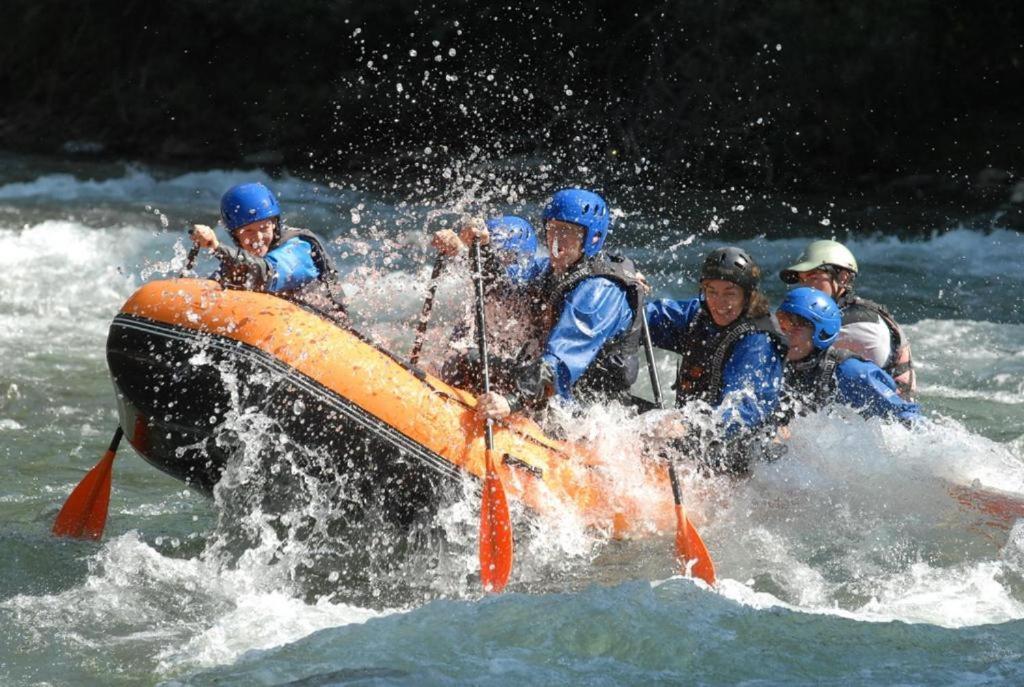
<point x="586" y="209"/>
<point x="512" y="234"/>
<point x="817" y="308"/>
<point x="248" y="203"/>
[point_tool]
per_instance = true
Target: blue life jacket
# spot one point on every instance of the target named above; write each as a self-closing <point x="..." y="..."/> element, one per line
<point x="592" y="315"/>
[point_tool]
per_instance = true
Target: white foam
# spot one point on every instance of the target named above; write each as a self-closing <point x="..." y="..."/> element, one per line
<point x="258" y="622"/>
<point x="140" y="185"/>
<point x="962" y="597"/>
<point x="872" y="503"/>
<point x="60" y="284"/>
<point x="845" y="509"/>
<point x="974" y="594"/>
<point x="184" y="612"/>
<point x="1006" y="398"/>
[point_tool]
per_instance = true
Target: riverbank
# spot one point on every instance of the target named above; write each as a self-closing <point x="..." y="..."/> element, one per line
<point x="916" y="100"/>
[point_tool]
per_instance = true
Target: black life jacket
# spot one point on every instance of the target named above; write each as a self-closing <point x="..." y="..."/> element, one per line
<point x="706" y="349"/>
<point x="810" y="384"/>
<point x="324" y="294"/>
<point x="616" y="366"/>
<point x="900" y="363"/>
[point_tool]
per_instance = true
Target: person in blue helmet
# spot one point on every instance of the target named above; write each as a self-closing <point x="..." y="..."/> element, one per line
<point x="509" y="243"/>
<point x="819" y="374"/>
<point x="587" y="304"/>
<point x="509" y="248"/>
<point x="270" y="256"/>
<point x="732" y="357"/>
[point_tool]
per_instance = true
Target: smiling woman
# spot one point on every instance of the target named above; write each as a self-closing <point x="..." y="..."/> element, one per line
<point x="725" y="301"/>
<point x="731" y="350"/>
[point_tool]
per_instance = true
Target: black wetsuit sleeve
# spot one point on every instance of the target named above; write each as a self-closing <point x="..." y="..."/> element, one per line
<point x="534" y="382"/>
<point x="243" y="270"/>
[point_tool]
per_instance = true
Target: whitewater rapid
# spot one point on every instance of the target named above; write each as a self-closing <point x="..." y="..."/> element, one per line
<point x="855" y="524"/>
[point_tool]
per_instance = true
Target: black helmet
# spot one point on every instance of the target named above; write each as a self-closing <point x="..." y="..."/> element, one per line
<point x="731" y="264"/>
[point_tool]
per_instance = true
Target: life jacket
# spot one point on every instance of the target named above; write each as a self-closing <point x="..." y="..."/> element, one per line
<point x="811" y="383"/>
<point x="900" y="363"/>
<point x="617" y="364"/>
<point x="706" y="349"/>
<point x="323" y="295"/>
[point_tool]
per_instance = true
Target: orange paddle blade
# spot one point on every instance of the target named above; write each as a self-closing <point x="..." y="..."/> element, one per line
<point x="690" y="547"/>
<point x="1002" y="505"/>
<point x="85" y="512"/>
<point x="495" y="532"/>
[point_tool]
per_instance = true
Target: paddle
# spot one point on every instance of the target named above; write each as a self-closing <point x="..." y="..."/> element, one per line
<point x="495" y="523"/>
<point x="428" y="305"/>
<point x="84" y="513"/>
<point x="689" y="545"/>
<point x="1004" y="505"/>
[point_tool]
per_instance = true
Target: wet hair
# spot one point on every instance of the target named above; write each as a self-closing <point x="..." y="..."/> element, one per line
<point x="757" y="305"/>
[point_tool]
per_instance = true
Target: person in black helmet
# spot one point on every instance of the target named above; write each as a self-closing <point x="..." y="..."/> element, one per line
<point x="271" y="257"/>
<point x="732" y="354"/>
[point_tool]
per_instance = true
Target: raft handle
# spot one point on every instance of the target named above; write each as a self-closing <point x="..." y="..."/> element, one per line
<point x="512" y="461"/>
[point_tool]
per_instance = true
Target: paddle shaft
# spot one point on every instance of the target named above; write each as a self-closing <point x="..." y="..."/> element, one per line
<point x="689" y="545"/>
<point x="651" y="367"/>
<point x="658" y="399"/>
<point x="496" y="545"/>
<point x="481" y="334"/>
<point x="116" y="440"/>
<point x="428" y="305"/>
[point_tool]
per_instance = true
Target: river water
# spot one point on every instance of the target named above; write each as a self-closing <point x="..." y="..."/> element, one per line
<point x="846" y="562"/>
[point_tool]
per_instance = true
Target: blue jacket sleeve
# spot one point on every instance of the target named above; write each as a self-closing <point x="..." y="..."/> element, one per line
<point x="593" y="312"/>
<point x="292" y="265"/>
<point x="668" y="319"/>
<point x="751" y="382"/>
<point x="872" y="391"/>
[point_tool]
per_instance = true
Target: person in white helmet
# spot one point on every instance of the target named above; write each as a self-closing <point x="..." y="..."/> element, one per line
<point x="869" y="330"/>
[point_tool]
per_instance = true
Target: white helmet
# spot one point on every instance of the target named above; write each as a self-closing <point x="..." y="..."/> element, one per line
<point x="822" y="253"/>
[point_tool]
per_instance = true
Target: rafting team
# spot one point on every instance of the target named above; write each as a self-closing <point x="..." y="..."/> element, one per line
<point x="569" y="323"/>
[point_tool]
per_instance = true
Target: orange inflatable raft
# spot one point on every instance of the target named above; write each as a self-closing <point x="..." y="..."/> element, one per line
<point x="187" y="356"/>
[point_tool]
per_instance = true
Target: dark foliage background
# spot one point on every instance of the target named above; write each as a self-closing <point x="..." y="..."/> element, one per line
<point x="779" y="94"/>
